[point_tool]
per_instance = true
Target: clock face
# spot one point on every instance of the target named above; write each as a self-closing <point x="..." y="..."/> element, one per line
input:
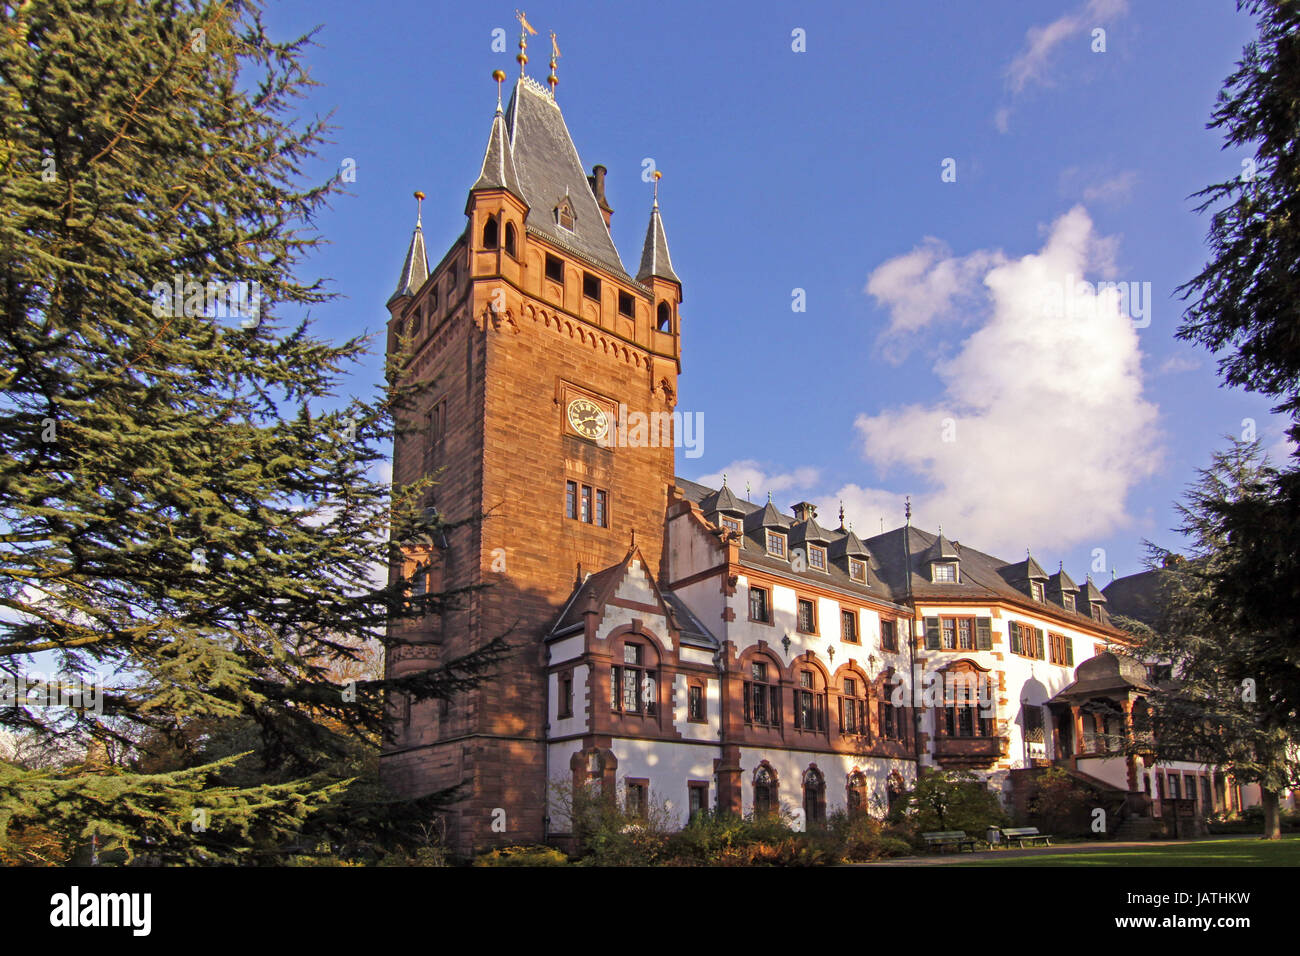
<point x="588" y="419"/>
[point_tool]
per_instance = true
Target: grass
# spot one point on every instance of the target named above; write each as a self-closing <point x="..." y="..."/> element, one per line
<point x="1244" y="851"/>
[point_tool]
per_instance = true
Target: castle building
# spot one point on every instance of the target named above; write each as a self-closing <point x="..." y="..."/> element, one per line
<point x="676" y="642"/>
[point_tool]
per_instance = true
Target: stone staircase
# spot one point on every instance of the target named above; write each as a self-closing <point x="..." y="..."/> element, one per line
<point x="1135" y="829"/>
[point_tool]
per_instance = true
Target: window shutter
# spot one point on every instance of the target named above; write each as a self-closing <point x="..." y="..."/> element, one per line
<point x="1013" y="634"/>
<point x="1069" y="651"/>
<point x="1038" y="639"/>
<point x="931" y="633"/>
<point x="983" y="634"/>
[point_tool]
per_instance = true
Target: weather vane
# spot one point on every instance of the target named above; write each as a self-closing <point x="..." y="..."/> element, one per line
<point x="525" y="28"/>
<point x="555" y="55"/>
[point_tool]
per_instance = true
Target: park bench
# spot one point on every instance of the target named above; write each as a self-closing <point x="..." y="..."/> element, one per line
<point x="939" y="839"/>
<point x="1021" y="834"/>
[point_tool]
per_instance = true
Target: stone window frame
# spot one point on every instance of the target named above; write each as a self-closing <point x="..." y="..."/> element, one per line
<point x="697" y="684"/>
<point x="767" y="604"/>
<point x="798" y="623"/>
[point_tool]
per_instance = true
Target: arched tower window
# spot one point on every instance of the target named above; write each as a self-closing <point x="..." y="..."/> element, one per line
<point x="765" y="790"/>
<point x="664" y="317"/>
<point x="857" y="793"/>
<point x="814" y="796"/>
<point x="510" y="238"/>
<point x="490" y="233"/>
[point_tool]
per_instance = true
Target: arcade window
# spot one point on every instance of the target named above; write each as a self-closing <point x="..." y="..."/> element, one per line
<point x="806" y="618"/>
<point x="626" y="305"/>
<point x="760" y="607"/>
<point x="555" y="269"/>
<point x="591" y="286"/>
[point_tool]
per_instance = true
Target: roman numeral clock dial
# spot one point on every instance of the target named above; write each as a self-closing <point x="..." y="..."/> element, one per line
<point x="587" y="419"/>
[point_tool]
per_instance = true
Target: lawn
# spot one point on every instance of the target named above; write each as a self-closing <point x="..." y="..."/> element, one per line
<point x="1238" y="851"/>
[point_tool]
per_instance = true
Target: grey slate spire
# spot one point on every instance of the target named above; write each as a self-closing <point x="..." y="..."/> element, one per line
<point x="498" y="170"/>
<point x="415" y="270"/>
<point x="654" y="254"/>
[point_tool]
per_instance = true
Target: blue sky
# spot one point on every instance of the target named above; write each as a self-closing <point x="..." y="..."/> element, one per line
<point x="925" y="362"/>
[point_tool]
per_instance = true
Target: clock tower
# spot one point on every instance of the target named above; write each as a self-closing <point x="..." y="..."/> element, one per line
<point x="533" y="344"/>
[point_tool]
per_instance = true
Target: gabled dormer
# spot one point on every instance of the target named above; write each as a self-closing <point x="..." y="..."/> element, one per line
<point x="1092" y="602"/>
<point x="812" y="538"/>
<point x="1061" y="590"/>
<point x="852" y="557"/>
<point x="1028" y="577"/>
<point x="941" y="561"/>
<point x="723" y="509"/>
<point x="769" y="531"/>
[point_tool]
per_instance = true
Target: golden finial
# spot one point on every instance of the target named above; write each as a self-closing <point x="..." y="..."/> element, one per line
<point x="419" y="206"/>
<point x="658" y="176"/>
<point x="500" y="77"/>
<point x="525" y="28"/>
<point x="555" y="55"/>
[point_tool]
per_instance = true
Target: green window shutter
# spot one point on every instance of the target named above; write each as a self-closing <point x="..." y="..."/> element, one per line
<point x="1069" y="651"/>
<point x="931" y="633"/>
<point x="983" y="634"/>
<point x="1038" y="639"/>
<point x="1013" y="636"/>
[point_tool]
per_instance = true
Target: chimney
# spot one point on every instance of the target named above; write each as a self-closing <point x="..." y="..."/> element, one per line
<point x="597" y="182"/>
<point x="804" y="510"/>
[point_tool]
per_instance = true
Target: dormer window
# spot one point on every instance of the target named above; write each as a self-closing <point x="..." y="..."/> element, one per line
<point x="1036" y="590"/>
<point x="1068" y="601"/>
<point x="943" y="573"/>
<point x="564" y="216"/>
<point x="776" y="544"/>
<point x="857" y="570"/>
<point x="817" y="557"/>
<point x="731" y="524"/>
<point x="1096" y="612"/>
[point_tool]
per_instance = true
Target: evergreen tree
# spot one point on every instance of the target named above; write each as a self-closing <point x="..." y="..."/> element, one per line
<point x="180" y="510"/>
<point x="1230" y="702"/>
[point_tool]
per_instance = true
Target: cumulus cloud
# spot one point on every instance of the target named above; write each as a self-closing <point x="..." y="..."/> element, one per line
<point x="760" y="480"/>
<point x="1177" y="363"/>
<point x="1042" y="428"/>
<point x="867" y="510"/>
<point x="922" y="287"/>
<point x="1032" y="64"/>
<point x="1113" y="189"/>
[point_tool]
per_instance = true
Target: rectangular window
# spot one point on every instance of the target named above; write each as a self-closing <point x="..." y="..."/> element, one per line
<point x="731" y="524"/>
<point x="759" y="609"/>
<point x="849" y="626"/>
<point x="591" y="286"/>
<point x="817" y="557"/>
<point x="625" y="304"/>
<point x="889" y="635"/>
<point x="1013" y="637"/>
<point x="695" y="703"/>
<point x="586" y="503"/>
<point x="1036" y="588"/>
<point x="807" y="618"/>
<point x="699" y="798"/>
<point x="776" y="544"/>
<point x="1033" y="724"/>
<point x="949" y="631"/>
<point x="636" y="803"/>
<point x="566" y="695"/>
<point x="849" y="706"/>
<point x="1068" y="601"/>
<point x="943" y="573"/>
<point x="555" y="269"/>
<point x="983" y="634"/>
<point x="602" y="510"/>
<point x="571" y="499"/>
<point x="965" y="640"/>
<point x="857" y="571"/>
<point x="633" y="690"/>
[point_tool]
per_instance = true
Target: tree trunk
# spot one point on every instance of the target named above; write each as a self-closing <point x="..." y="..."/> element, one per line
<point x="1268" y="799"/>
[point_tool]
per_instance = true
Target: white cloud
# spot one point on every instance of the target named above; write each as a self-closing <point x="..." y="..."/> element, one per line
<point x="867" y="510"/>
<point x="1115" y="188"/>
<point x="922" y="287"/>
<point x="1033" y="63"/>
<point x="760" y="480"/>
<point x="1048" y="426"/>
<point x="1177" y="363"/>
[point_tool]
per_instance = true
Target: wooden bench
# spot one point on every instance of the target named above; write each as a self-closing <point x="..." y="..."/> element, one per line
<point x="1021" y="834"/>
<point x="939" y="839"/>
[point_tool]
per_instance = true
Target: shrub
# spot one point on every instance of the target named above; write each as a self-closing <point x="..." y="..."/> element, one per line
<point x="949" y="800"/>
<point x="523" y="856"/>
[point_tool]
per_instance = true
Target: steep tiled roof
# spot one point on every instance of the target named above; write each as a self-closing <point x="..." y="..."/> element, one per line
<point x="498" y="161"/>
<point x="415" y="270"/>
<point x="549" y="170"/>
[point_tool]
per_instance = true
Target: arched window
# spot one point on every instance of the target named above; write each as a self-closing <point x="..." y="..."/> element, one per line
<point x="763" y="694"/>
<point x="664" y="317"/>
<point x="765" y="790"/>
<point x="857" y="793"/>
<point x="968" y="702"/>
<point x="890" y="712"/>
<point x="634" y="683"/>
<point x="814" y="796"/>
<point x="490" y="233"/>
<point x="510" y="238"/>
<point x="894" y="788"/>
<point x="853" y="708"/>
<point x="810" y="700"/>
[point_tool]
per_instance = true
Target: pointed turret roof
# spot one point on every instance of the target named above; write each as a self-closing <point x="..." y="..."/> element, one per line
<point x="549" y="170"/>
<point x="722" y="502"/>
<point x="1090" y="592"/>
<point x="940" y="549"/>
<point x="415" y="270"/>
<point x="850" y="545"/>
<point x="767" y="517"/>
<point x="498" y="170"/>
<point x="654" y="253"/>
<point x="1060" y="581"/>
<point x="809" y="530"/>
